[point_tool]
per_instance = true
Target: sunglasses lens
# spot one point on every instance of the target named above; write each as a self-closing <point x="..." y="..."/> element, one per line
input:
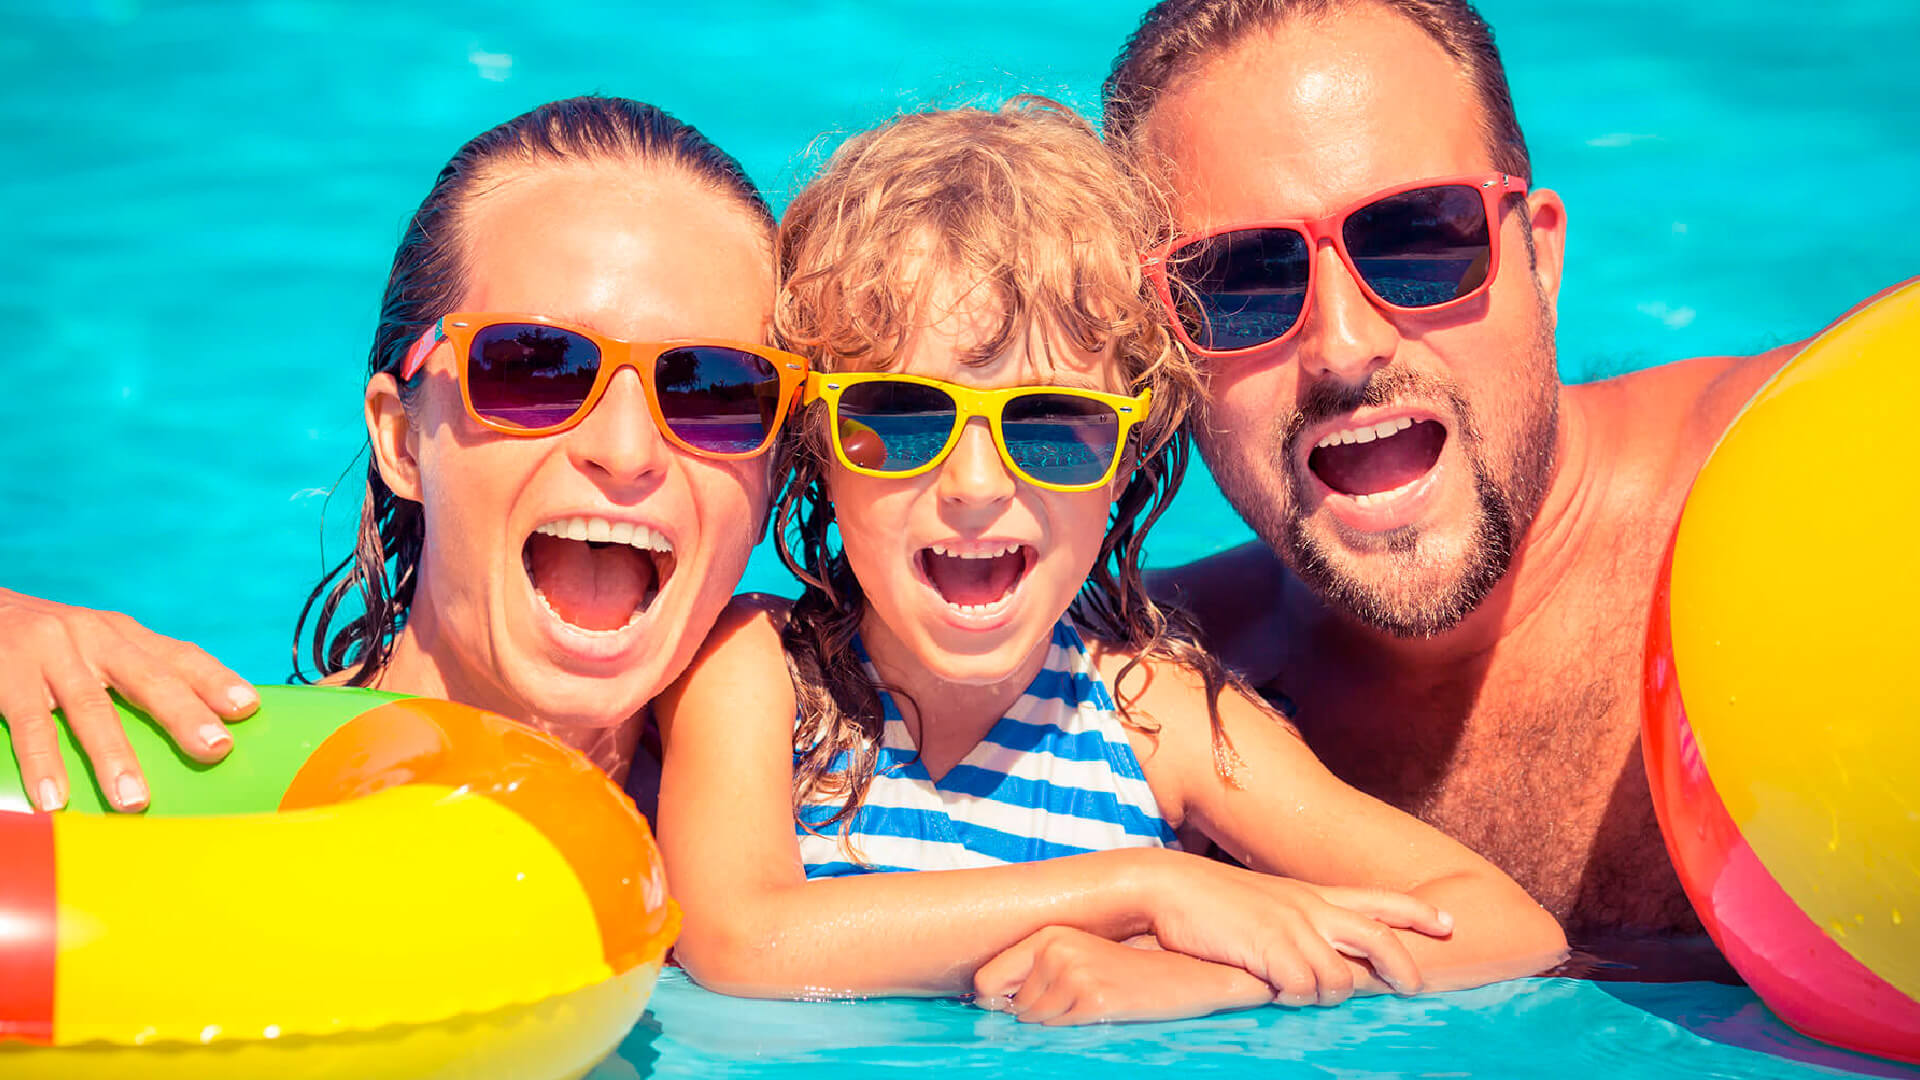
<point x="1235" y="290"/>
<point x="530" y="376"/>
<point x="894" y="427"/>
<point x="716" y="399"/>
<point x="1060" y="439"/>
<point x="1423" y="247"/>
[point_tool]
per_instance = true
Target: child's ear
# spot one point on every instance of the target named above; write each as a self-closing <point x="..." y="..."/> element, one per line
<point x="1123" y="475"/>
<point x="393" y="438"/>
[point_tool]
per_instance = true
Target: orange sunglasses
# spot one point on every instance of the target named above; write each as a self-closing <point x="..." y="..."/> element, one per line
<point x="530" y="375"/>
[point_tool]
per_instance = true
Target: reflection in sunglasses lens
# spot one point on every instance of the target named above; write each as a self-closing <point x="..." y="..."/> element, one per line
<point x="530" y="376"/>
<point x="894" y="427"/>
<point x="717" y="399"/>
<point x="1423" y="247"/>
<point x="1238" y="289"/>
<point x="1060" y="439"/>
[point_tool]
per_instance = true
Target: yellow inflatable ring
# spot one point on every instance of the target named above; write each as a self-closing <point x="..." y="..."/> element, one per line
<point x="423" y="890"/>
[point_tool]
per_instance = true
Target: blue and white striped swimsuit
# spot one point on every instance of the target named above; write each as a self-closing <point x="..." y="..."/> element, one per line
<point x="1055" y="776"/>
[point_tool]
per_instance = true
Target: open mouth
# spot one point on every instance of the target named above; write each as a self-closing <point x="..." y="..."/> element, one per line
<point x="595" y="574"/>
<point x="976" y="578"/>
<point x="1378" y="461"/>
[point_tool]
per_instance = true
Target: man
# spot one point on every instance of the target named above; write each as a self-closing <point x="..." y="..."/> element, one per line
<point x="1458" y="552"/>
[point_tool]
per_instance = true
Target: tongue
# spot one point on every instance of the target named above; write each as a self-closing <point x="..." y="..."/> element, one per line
<point x="1381" y="465"/>
<point x="973" y="581"/>
<point x="592" y="586"/>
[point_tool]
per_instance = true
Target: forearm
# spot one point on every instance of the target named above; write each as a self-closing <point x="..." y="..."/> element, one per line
<point x="1499" y="932"/>
<point x="923" y="932"/>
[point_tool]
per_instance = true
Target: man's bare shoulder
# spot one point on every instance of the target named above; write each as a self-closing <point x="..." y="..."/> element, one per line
<point x="1685" y="406"/>
<point x="1235" y="598"/>
<point x="1654" y="428"/>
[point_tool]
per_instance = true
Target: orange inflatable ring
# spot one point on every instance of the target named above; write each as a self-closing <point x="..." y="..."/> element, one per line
<point x="369" y="886"/>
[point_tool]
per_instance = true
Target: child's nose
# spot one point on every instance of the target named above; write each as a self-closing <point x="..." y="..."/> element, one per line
<point x="973" y="474"/>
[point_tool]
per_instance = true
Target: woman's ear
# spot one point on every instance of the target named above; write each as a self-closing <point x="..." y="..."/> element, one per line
<point x="391" y="433"/>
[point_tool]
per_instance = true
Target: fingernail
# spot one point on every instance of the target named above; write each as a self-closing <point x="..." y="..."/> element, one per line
<point x="50" y="795"/>
<point x="130" y="790"/>
<point x="242" y="697"/>
<point x="216" y="737"/>
<point x="1445" y="919"/>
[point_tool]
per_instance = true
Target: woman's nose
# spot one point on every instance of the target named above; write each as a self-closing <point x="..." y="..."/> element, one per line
<point x="619" y="441"/>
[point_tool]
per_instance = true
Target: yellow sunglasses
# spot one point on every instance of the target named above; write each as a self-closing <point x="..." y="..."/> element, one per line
<point x="1061" y="438"/>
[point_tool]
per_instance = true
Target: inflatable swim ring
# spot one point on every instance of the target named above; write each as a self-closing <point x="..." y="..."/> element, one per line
<point x="370" y="886"/>
<point x="1781" y="694"/>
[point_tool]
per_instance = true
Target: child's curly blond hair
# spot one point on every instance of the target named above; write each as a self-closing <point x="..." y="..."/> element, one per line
<point x="1022" y="210"/>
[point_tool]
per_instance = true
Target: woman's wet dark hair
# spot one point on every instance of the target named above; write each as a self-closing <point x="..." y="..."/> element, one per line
<point x="361" y="603"/>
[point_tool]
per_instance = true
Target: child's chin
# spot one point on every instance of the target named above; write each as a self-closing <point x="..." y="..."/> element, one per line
<point x="983" y="657"/>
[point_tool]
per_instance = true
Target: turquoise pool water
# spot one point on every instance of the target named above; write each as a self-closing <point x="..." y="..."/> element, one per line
<point x="202" y="198"/>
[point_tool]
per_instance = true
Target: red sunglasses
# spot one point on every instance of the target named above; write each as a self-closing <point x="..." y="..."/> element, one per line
<point x="1420" y="246"/>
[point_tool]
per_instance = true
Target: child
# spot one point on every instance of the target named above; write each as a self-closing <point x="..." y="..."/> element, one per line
<point x="974" y="682"/>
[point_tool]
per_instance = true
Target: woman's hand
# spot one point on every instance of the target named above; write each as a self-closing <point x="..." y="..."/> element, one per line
<point x="1312" y="944"/>
<point x="57" y="657"/>
<point x="1060" y="975"/>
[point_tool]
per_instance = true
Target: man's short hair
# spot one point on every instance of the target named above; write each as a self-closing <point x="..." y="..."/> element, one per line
<point x="1177" y="37"/>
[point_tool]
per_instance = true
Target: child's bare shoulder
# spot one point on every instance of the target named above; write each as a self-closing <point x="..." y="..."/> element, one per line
<point x="742" y="650"/>
<point x="753" y="614"/>
<point x="1171" y="693"/>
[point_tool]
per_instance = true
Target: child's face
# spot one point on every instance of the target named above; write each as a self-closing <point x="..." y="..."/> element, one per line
<point x="917" y="543"/>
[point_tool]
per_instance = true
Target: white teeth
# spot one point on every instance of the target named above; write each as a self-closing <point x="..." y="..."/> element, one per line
<point x="638" y="614"/>
<point x="1383" y="496"/>
<point x="599" y="530"/>
<point x="942" y="549"/>
<point x="1381" y="430"/>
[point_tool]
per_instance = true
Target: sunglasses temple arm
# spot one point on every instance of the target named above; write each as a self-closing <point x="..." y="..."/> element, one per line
<point x="416" y="357"/>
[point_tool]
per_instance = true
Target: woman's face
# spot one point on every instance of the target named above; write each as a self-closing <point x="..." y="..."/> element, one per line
<point x="967" y="567"/>
<point x="511" y="615"/>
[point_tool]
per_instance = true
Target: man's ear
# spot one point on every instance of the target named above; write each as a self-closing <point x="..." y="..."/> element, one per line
<point x="1547" y="218"/>
<point x="393" y="438"/>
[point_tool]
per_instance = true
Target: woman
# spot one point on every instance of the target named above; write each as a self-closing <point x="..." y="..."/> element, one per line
<point x="618" y="222"/>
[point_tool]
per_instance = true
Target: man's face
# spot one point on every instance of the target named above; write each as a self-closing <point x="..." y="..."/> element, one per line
<point x="1393" y="459"/>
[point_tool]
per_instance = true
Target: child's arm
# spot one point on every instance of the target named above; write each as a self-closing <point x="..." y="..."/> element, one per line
<point x="756" y="926"/>
<point x="1065" y="976"/>
<point x="1290" y="816"/>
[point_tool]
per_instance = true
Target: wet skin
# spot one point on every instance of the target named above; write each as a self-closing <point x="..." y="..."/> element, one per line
<point x="632" y="253"/>
<point x="1516" y="729"/>
<point x="946" y="661"/>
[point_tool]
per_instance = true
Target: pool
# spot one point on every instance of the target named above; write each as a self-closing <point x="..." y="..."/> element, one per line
<point x="202" y="199"/>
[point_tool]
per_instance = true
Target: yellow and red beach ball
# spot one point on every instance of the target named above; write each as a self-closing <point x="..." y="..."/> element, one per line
<point x="1782" y="730"/>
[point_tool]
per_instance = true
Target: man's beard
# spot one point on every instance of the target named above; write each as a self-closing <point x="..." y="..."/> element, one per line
<point x="1402" y="599"/>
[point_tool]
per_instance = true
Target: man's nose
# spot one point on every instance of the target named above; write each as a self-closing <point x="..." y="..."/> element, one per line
<point x="618" y="442"/>
<point x="1345" y="336"/>
<point x="973" y="477"/>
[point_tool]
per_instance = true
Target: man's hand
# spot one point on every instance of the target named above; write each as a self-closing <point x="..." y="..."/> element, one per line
<point x="55" y="656"/>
